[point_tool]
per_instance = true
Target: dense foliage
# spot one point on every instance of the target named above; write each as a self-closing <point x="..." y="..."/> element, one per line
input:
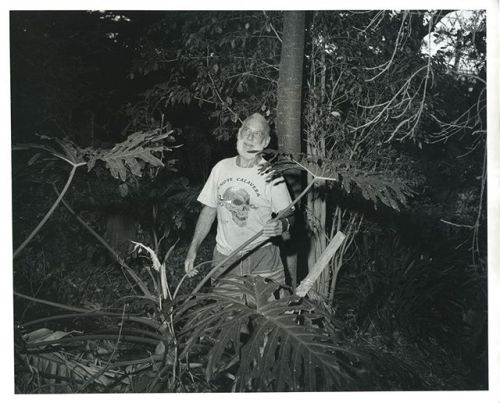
<point x="139" y="105"/>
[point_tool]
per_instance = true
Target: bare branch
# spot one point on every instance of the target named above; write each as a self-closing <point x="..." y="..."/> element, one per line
<point x="456" y="225"/>
<point x="224" y="103"/>
<point x="272" y="27"/>
<point x="386" y="65"/>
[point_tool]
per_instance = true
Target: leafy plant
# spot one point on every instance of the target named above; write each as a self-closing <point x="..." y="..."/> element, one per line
<point x="372" y="185"/>
<point x="111" y="364"/>
<point x="131" y="154"/>
<point x="293" y="344"/>
<point x="225" y="63"/>
<point x="69" y="369"/>
<point x="119" y="160"/>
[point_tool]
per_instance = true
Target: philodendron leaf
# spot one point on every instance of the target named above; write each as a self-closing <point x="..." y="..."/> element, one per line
<point x="293" y="345"/>
<point x="131" y="155"/>
<point x="375" y="186"/>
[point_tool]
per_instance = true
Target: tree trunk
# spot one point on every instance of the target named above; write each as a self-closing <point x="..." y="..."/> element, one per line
<point x="288" y="118"/>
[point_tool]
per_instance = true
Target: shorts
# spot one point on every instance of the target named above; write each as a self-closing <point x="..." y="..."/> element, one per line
<point x="264" y="262"/>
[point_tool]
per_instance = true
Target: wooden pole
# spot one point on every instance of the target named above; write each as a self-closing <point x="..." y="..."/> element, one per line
<point x="320" y="264"/>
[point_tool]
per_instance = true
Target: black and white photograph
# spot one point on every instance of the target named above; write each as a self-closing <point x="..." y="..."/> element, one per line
<point x="222" y="201"/>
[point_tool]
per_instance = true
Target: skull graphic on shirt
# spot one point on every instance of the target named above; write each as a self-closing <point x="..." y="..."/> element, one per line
<point x="237" y="201"/>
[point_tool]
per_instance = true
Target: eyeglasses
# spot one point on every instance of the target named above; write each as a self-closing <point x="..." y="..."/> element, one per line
<point x="249" y="134"/>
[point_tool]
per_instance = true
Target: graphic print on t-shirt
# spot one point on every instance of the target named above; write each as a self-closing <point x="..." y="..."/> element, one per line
<point x="237" y="201"/>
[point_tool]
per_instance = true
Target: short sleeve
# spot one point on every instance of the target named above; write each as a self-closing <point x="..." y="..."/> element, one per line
<point x="208" y="195"/>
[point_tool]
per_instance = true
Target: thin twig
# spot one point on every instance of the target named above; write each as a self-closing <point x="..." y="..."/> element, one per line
<point x="386" y="65"/>
<point x="456" y="225"/>
<point x="475" y="240"/>
<point x="224" y="103"/>
<point x="272" y="26"/>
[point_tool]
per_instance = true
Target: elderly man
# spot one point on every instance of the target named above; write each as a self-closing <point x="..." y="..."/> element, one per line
<point x="243" y="202"/>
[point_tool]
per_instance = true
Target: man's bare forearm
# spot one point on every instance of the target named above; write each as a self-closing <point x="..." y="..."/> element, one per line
<point x="203" y="225"/>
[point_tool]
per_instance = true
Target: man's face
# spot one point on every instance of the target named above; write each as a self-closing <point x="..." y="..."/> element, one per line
<point x="251" y="139"/>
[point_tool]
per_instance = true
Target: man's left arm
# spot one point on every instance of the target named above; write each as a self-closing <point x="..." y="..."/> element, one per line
<point x="280" y="200"/>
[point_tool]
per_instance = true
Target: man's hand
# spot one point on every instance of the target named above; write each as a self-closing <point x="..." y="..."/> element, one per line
<point x="205" y="221"/>
<point x="273" y="228"/>
<point x="189" y="264"/>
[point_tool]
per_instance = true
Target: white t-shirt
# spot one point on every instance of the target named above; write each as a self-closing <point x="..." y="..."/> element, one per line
<point x="244" y="202"/>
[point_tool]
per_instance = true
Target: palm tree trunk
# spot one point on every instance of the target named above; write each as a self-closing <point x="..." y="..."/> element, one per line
<point x="289" y="112"/>
<point x="288" y="119"/>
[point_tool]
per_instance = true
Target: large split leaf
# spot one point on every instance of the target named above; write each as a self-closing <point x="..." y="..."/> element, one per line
<point x="292" y="346"/>
<point x="131" y="154"/>
<point x="139" y="150"/>
<point x="373" y="185"/>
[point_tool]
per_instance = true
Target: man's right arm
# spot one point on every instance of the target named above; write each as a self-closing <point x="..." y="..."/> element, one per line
<point x="203" y="225"/>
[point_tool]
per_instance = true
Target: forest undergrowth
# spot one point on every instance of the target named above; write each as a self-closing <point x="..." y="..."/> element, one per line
<point x="405" y="363"/>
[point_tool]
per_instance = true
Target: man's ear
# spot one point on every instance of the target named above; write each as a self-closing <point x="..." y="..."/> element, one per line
<point x="266" y="143"/>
